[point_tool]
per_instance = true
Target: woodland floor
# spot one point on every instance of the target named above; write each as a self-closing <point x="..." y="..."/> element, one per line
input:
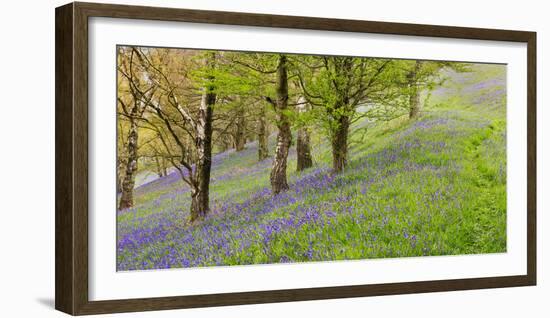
<point x="433" y="186"/>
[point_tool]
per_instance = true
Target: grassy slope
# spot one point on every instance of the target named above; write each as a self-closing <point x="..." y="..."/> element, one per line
<point x="435" y="186"/>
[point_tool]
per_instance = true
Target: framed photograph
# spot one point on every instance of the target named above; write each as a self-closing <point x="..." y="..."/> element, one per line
<point x="211" y="158"/>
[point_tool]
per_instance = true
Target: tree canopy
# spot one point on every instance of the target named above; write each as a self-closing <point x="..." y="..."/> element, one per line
<point x="178" y="107"/>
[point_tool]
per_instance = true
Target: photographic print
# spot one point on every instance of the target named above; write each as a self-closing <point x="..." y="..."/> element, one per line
<point x="241" y="158"/>
<point x="265" y="158"/>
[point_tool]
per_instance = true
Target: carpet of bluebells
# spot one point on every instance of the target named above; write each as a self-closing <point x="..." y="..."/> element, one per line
<point x="434" y="186"/>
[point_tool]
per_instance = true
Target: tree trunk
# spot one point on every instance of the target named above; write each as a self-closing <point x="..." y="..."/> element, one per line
<point x="284" y="137"/>
<point x="163" y="166"/>
<point x="160" y="171"/>
<point x="240" y="134"/>
<point x="128" y="182"/>
<point x="263" y="149"/>
<point x="341" y="114"/>
<point x="414" y="94"/>
<point x="226" y="143"/>
<point x="200" y="191"/>
<point x="199" y="203"/>
<point x="120" y="174"/>
<point x="303" y="148"/>
<point x="340" y="144"/>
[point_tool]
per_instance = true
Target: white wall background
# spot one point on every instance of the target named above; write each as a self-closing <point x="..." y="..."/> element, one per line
<point x="27" y="158"/>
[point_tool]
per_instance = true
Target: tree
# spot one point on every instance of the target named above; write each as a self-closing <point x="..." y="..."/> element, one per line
<point x="240" y="128"/>
<point x="414" y="84"/>
<point x="121" y="157"/>
<point x="423" y="75"/>
<point x="303" y="148"/>
<point x="277" y="177"/>
<point x="263" y="133"/>
<point x="161" y="166"/>
<point x="132" y="110"/>
<point x="184" y="113"/>
<point x="200" y="192"/>
<point x="337" y="86"/>
<point x="128" y="181"/>
<point x="250" y="74"/>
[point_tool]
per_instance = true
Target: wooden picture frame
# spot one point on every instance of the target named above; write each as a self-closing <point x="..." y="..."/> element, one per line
<point x="71" y="221"/>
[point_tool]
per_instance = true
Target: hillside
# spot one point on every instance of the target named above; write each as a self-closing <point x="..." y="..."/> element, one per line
<point x="434" y="186"/>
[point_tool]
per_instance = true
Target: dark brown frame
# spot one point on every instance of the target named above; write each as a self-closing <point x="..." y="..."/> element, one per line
<point x="71" y="158"/>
